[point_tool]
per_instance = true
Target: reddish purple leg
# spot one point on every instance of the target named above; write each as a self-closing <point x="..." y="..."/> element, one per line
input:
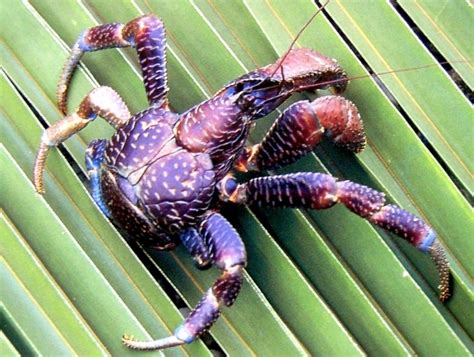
<point x="319" y="191"/>
<point x="146" y="34"/>
<point x="300" y="128"/>
<point x="227" y="252"/>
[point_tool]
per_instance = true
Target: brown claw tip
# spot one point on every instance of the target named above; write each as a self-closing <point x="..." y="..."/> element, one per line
<point x="62" y="102"/>
<point x="171" y="341"/>
<point x="126" y="340"/>
<point x="444" y="296"/>
<point x="438" y="254"/>
<point x="38" y="182"/>
<point x="62" y="108"/>
<point x="39" y="190"/>
<point x="39" y="168"/>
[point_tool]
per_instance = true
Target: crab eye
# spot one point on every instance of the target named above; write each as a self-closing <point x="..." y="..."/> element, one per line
<point x="230" y="185"/>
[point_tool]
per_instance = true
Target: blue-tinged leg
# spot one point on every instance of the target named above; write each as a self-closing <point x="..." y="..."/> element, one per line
<point x="320" y="191"/>
<point x="146" y="34"/>
<point x="227" y="252"/>
<point x="94" y="157"/>
<point x="196" y="246"/>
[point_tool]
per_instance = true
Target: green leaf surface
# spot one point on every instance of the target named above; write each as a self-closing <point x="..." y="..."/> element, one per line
<point x="16" y="334"/>
<point x="296" y="301"/>
<point x="6" y="347"/>
<point x="50" y="237"/>
<point x="40" y="287"/>
<point x="319" y="283"/>
<point x="444" y="24"/>
<point x="40" y="329"/>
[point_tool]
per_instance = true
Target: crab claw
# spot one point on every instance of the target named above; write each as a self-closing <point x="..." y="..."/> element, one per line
<point x="301" y="69"/>
<point x="307" y="69"/>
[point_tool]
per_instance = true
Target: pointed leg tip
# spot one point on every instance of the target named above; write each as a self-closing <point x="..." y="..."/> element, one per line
<point x="132" y="343"/>
<point x="438" y="254"/>
<point x="444" y="296"/>
<point x="39" y="166"/>
<point x="38" y="183"/>
<point x="444" y="287"/>
<point x="128" y="340"/>
<point x="62" y="109"/>
<point x="39" y="190"/>
<point x="62" y="106"/>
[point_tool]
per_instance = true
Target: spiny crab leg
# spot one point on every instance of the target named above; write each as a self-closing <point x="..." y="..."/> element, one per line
<point x="146" y="34"/>
<point x="300" y="128"/>
<point x="295" y="133"/>
<point x="228" y="254"/>
<point x="102" y="101"/>
<point x="320" y="191"/>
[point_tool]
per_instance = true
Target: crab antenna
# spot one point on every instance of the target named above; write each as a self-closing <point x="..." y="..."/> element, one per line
<point x="334" y="81"/>
<point x="282" y="59"/>
<point x="298" y="35"/>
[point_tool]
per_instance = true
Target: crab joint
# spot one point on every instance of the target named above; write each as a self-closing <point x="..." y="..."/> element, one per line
<point x="231" y="191"/>
<point x="247" y="159"/>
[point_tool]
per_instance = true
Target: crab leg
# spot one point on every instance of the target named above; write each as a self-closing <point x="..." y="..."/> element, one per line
<point x="320" y="191"/>
<point x="300" y="128"/>
<point x="103" y="102"/>
<point x="146" y="33"/>
<point x="228" y="254"/>
<point x="94" y="157"/>
<point x="197" y="247"/>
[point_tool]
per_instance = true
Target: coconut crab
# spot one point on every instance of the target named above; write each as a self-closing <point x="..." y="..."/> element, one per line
<point x="161" y="174"/>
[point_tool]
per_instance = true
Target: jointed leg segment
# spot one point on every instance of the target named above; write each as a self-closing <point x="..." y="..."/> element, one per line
<point x="197" y="247"/>
<point x="319" y="191"/>
<point x="227" y="253"/>
<point x="94" y="158"/>
<point x="300" y="128"/>
<point x="146" y="33"/>
<point x="102" y="101"/>
<point x="295" y="133"/>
